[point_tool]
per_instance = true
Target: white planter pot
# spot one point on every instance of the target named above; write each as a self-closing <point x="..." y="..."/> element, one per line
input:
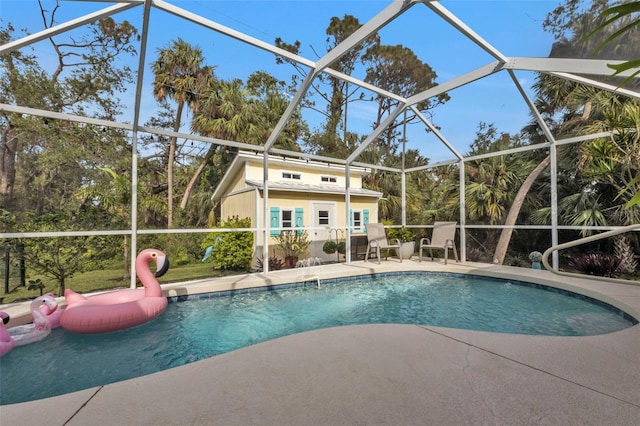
<point x="407" y="249"/>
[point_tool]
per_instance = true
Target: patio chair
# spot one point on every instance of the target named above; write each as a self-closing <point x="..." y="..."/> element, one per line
<point x="377" y="239"/>
<point x="442" y="238"/>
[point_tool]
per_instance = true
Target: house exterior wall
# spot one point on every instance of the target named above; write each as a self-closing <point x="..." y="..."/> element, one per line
<point x="238" y="183"/>
<point x="242" y="205"/>
<point x="254" y="171"/>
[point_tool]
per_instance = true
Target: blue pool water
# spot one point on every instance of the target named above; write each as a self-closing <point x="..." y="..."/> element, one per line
<point x="207" y="326"/>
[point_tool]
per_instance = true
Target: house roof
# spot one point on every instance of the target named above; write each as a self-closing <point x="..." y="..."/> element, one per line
<point x="323" y="189"/>
<point x="245" y="157"/>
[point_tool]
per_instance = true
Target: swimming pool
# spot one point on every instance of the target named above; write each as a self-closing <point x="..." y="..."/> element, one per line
<point x="212" y="324"/>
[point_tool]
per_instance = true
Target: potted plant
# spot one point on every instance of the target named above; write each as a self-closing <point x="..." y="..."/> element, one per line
<point x="341" y="248"/>
<point x="292" y="243"/>
<point x="535" y="257"/>
<point x="407" y="241"/>
<point x="330" y="247"/>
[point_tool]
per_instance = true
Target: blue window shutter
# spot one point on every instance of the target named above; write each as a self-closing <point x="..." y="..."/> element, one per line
<point x="299" y="219"/>
<point x="365" y="219"/>
<point x="275" y="221"/>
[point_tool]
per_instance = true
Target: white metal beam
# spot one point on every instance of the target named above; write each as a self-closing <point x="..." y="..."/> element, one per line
<point x="532" y="108"/>
<point x="387" y="15"/>
<point x="454" y="83"/>
<point x="289" y="111"/>
<point x="436" y="132"/>
<point x="598" y="84"/>
<point x="58" y="29"/>
<point x="133" y="247"/>
<point x="373" y="135"/>
<point x="464" y="29"/>
<point x="570" y="65"/>
<point x="207" y="23"/>
<point x="62" y="116"/>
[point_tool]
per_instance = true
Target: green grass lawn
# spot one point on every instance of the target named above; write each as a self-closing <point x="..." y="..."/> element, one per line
<point x="107" y="279"/>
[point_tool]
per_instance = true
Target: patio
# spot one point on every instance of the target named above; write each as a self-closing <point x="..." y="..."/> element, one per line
<point x="381" y="374"/>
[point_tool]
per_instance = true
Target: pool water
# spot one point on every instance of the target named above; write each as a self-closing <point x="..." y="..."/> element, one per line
<point x="207" y="326"/>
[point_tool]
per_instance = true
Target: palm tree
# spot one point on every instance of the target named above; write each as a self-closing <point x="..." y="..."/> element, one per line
<point x="179" y="75"/>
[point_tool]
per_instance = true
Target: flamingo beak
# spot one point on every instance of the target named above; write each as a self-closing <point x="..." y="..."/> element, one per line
<point x="53" y="306"/>
<point x="162" y="266"/>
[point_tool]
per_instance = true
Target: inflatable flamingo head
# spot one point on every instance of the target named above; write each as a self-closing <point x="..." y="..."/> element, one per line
<point x="5" y="317"/>
<point x="46" y="307"/>
<point x="160" y="259"/>
<point x="39" y="319"/>
<point x="6" y="341"/>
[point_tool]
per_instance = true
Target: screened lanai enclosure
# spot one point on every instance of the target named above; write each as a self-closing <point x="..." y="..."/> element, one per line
<point x="119" y="120"/>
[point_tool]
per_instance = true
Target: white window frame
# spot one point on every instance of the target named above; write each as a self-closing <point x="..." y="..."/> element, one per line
<point x="289" y="175"/>
<point x="328" y="217"/>
<point x="328" y="179"/>
<point x="354" y="226"/>
<point x="292" y="218"/>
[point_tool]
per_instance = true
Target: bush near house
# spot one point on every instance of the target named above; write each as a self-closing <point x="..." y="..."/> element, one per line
<point x="232" y="251"/>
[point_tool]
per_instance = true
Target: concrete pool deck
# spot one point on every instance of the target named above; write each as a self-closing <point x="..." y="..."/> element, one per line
<point x="380" y="374"/>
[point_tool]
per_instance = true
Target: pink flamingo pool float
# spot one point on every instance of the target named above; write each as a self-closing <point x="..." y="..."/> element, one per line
<point x="120" y="309"/>
<point x="6" y="341"/>
<point x="40" y="328"/>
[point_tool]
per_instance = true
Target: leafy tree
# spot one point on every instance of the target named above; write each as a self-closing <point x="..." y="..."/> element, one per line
<point x="58" y="258"/>
<point x="114" y="196"/>
<point x="44" y="161"/>
<point x="62" y="257"/>
<point x="398" y="70"/>
<point x="327" y="141"/>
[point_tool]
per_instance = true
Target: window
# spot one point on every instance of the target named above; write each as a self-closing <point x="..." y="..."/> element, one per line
<point x="323" y="217"/>
<point x="328" y="179"/>
<point x="287" y="219"/>
<point x="357" y="221"/>
<point x="282" y="219"/>
<point x="291" y="175"/>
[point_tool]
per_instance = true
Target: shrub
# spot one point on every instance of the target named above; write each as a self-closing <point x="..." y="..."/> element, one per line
<point x="516" y="260"/>
<point x="600" y="264"/>
<point x="330" y="247"/>
<point x="404" y="234"/>
<point x="232" y="251"/>
<point x="275" y="264"/>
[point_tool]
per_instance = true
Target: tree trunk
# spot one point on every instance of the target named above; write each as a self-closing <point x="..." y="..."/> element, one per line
<point x="196" y="175"/>
<point x="63" y="286"/>
<point x="172" y="156"/>
<point x="8" y="151"/>
<point x="505" y="235"/>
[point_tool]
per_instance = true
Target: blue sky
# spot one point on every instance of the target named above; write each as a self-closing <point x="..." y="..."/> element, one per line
<point x="514" y="27"/>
